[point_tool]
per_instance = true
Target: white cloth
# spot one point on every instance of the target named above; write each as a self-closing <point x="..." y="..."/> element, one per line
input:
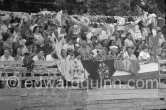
<point x="144" y="55"/>
<point x="50" y="58"/>
<point x="120" y="20"/>
<point x="36" y="58"/>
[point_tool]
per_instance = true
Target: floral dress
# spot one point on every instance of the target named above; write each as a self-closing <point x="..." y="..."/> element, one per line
<point x="103" y="71"/>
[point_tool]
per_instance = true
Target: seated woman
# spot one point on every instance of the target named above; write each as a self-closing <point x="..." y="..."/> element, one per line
<point x="129" y="54"/>
<point x="52" y="56"/>
<point x="144" y="55"/>
<point x="39" y="56"/>
<point x="38" y="37"/>
<point x="19" y="56"/>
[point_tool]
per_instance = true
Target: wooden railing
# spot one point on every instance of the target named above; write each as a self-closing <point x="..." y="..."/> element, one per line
<point x="105" y="98"/>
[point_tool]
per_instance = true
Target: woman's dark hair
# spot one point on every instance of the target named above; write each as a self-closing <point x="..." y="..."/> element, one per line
<point x="26" y="54"/>
<point x="128" y="34"/>
<point x="35" y="28"/>
<point x="55" y="56"/>
<point x="69" y="39"/>
<point x="5" y="36"/>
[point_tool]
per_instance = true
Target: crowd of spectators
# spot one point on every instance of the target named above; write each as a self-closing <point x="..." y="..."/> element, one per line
<point x="42" y="38"/>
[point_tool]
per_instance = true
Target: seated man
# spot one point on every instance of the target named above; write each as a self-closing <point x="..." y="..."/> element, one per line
<point x="144" y="55"/>
<point x="7" y="56"/>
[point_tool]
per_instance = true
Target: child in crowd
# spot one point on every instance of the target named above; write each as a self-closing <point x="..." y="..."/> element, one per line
<point x="144" y="55"/>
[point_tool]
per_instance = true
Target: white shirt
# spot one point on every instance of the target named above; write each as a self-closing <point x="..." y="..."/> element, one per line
<point x="144" y="55"/>
<point x="49" y="58"/>
<point x="35" y="58"/>
<point x="9" y="59"/>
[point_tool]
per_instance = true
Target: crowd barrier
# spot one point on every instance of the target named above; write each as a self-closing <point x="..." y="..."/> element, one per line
<point x="115" y="97"/>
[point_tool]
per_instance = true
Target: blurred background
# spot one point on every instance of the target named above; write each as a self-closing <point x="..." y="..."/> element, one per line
<point x="96" y="7"/>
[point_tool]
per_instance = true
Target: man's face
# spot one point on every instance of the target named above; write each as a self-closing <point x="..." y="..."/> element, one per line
<point x="64" y="53"/>
<point x="163" y="54"/>
<point x="17" y="28"/>
<point x="146" y="50"/>
<point x="129" y="36"/>
<point x="6" y="53"/>
<point x="130" y="50"/>
<point x="70" y="42"/>
<point x="160" y="34"/>
<point x="83" y="43"/>
<point x="41" y="54"/>
<point x="94" y="40"/>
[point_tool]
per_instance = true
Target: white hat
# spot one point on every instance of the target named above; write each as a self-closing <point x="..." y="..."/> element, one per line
<point x="113" y="47"/>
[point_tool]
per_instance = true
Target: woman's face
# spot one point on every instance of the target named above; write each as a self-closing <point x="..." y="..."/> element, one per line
<point x="140" y="46"/>
<point x="41" y="54"/>
<point x="35" y="48"/>
<point x="6" y="53"/>
<point x="64" y="53"/>
<point x="41" y="29"/>
<point x="163" y="54"/>
<point x="37" y="30"/>
<point x="94" y="40"/>
<point x="130" y="50"/>
<point x="114" y="51"/>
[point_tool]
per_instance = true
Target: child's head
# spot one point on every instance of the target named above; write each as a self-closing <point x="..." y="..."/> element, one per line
<point x="70" y="41"/>
<point x="163" y="53"/>
<point x="145" y="49"/>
